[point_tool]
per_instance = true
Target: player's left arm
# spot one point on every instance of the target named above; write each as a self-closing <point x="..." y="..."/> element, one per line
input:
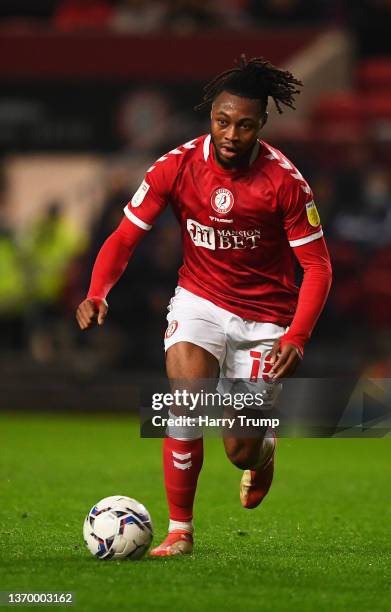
<point x="304" y="232"/>
<point x="315" y="261"/>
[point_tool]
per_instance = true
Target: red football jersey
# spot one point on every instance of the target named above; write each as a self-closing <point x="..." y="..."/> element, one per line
<point x="238" y="226"/>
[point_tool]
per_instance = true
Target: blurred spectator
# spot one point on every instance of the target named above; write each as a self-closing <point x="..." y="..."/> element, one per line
<point x="12" y="278"/>
<point x="370" y="224"/>
<point x="348" y="177"/>
<point x="73" y="15"/>
<point x="52" y="243"/>
<point x="138" y="16"/>
<point x="50" y="248"/>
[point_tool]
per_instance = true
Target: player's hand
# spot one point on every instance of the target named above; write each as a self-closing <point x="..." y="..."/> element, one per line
<point x="91" y="312"/>
<point x="284" y="361"/>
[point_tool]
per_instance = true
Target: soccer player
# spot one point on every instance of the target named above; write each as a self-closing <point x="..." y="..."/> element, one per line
<point x="246" y="215"/>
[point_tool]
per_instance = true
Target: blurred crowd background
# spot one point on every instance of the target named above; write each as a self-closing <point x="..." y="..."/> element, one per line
<point x="188" y="16"/>
<point x="94" y="90"/>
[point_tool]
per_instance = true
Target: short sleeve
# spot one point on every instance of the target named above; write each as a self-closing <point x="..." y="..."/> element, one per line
<point x="152" y="196"/>
<point x="300" y="216"/>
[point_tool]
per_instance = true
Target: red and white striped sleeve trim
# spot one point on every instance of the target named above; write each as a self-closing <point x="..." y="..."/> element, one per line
<point x="136" y="220"/>
<point x="306" y="239"/>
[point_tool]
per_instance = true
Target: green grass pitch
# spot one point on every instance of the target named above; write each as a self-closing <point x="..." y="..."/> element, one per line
<point x="320" y="541"/>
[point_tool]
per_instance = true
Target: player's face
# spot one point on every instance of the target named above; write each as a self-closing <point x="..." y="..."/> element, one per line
<point x="235" y="126"/>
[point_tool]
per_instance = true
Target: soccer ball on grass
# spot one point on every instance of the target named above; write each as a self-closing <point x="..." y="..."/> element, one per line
<point x="118" y="527"/>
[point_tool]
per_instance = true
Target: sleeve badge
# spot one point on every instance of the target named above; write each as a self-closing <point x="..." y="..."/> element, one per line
<point x="312" y="214"/>
<point x="140" y="194"/>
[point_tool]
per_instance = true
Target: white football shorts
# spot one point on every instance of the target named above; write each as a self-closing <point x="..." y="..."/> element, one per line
<point x="241" y="347"/>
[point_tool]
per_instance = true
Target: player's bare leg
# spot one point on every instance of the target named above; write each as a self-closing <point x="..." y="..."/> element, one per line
<point x="186" y="365"/>
<point x="256" y="457"/>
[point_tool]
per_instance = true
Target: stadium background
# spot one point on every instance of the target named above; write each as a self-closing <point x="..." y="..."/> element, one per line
<point x="93" y="91"/>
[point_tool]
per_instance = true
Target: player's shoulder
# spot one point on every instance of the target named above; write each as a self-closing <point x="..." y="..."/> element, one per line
<point x="280" y="170"/>
<point x="183" y="153"/>
<point x="164" y="172"/>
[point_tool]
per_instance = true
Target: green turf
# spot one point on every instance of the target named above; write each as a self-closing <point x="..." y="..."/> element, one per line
<point x="320" y="541"/>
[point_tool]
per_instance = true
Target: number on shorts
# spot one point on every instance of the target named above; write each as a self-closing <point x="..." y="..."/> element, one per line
<point x="256" y="357"/>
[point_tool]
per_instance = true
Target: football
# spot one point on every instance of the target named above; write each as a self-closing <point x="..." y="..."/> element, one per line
<point x="118" y="527"/>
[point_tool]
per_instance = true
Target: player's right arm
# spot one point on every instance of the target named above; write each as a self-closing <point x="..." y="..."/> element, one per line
<point x="148" y="201"/>
<point x="109" y="266"/>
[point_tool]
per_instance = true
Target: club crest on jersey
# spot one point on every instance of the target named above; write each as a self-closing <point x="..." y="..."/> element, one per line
<point x="312" y="214"/>
<point x="222" y="200"/>
<point x="171" y="329"/>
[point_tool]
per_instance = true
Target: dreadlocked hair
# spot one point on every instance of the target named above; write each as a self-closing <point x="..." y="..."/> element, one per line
<point x="257" y="79"/>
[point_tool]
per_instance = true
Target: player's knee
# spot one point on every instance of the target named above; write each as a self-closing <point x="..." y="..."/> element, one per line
<point x="242" y="455"/>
